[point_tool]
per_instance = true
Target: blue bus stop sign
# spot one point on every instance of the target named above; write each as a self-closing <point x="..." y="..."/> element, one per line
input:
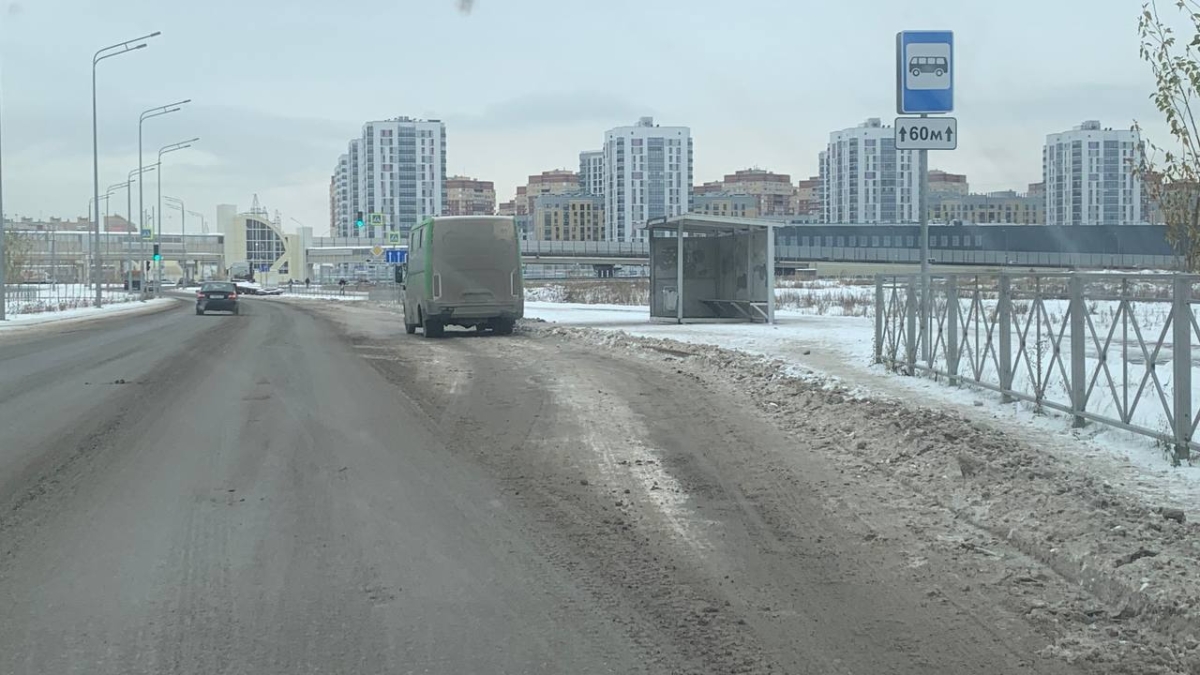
<point x="924" y="72"/>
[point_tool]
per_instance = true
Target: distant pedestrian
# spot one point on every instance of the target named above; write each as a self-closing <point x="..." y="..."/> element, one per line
<point x="291" y="284"/>
<point x="341" y="286"/>
<point x="306" y="282"/>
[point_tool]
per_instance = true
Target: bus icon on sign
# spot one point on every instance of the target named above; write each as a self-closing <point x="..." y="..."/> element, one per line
<point x="927" y="64"/>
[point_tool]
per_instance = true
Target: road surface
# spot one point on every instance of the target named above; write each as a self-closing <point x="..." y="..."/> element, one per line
<point x="282" y="492"/>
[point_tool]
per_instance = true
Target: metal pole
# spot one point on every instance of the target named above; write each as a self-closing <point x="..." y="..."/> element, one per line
<point x="923" y="219"/>
<point x="1078" y="347"/>
<point x="99" y="56"/>
<point x="129" y="220"/>
<point x="3" y="260"/>
<point x="879" y="309"/>
<point x="183" y="237"/>
<point x="96" y="187"/>
<point x="1004" y="321"/>
<point x="1181" y="360"/>
<point x="679" y="273"/>
<point x="158" y="217"/>
<point x="951" y="343"/>
<point x="141" y="215"/>
<point x="910" y="332"/>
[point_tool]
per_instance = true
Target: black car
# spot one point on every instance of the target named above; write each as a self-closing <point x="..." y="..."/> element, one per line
<point x="217" y="296"/>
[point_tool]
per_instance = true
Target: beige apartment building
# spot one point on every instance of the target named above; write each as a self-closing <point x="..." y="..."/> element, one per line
<point x="469" y="197"/>
<point x="568" y="217"/>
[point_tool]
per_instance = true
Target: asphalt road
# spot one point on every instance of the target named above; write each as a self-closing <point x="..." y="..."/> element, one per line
<point x="280" y="493"/>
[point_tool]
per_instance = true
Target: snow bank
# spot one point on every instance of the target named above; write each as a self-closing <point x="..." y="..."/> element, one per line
<point x="1136" y="562"/>
<point x="18" y="321"/>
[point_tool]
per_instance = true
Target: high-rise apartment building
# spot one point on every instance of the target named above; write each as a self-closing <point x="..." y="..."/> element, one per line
<point x="591" y="172"/>
<point x="647" y="174"/>
<point x="568" y="217"/>
<point x="469" y="197"/>
<point x="865" y="179"/>
<point x="396" y="168"/>
<point x="340" y="198"/>
<point x="1091" y="178"/>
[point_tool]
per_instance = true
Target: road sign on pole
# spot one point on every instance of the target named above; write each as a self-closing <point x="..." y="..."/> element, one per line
<point x="924" y="72"/>
<point x="375" y="220"/>
<point x="376" y="251"/>
<point x="393" y="238"/>
<point x="397" y="256"/>
<point x="147" y="234"/>
<point x="926" y="133"/>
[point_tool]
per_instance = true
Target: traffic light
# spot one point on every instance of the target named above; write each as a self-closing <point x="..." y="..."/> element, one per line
<point x="358" y="219"/>
<point x="147" y="265"/>
<point x="157" y="255"/>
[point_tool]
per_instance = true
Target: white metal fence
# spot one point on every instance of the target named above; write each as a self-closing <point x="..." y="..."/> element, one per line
<point x="1115" y="349"/>
<point x="58" y="297"/>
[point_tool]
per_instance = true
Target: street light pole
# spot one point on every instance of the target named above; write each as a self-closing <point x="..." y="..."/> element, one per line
<point x="129" y="207"/>
<point x="147" y="114"/>
<point x="159" y="217"/>
<point x="101" y="54"/>
<point x="203" y="230"/>
<point x="3" y="300"/>
<point x="127" y="186"/>
<point x="183" y="230"/>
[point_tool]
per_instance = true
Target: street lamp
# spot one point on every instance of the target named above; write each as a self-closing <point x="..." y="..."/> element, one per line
<point x="3" y="301"/>
<point x="158" y="219"/>
<point x="178" y="203"/>
<point x="203" y="222"/>
<point x="101" y="54"/>
<point x="203" y="230"/>
<point x="138" y="228"/>
<point x="147" y="114"/>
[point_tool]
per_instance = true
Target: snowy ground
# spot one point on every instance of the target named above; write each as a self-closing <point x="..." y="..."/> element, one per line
<point x="18" y="321"/>
<point x="348" y="297"/>
<point x="41" y="298"/>
<point x="840" y="349"/>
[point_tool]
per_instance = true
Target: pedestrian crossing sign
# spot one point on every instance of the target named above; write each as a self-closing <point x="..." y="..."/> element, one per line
<point x="376" y="219"/>
<point x="394" y="238"/>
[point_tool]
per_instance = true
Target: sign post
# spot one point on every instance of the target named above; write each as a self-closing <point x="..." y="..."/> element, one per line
<point x="925" y="86"/>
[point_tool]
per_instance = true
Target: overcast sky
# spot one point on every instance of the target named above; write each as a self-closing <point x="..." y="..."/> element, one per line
<point x="524" y="85"/>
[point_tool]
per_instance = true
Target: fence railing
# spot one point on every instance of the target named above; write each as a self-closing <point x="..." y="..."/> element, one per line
<point x="1114" y="349"/>
<point x="57" y="297"/>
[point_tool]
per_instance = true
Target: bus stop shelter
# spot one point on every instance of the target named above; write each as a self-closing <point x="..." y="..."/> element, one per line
<point x="711" y="268"/>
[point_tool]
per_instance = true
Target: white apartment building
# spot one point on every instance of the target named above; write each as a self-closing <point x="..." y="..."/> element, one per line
<point x="591" y="172"/>
<point x="397" y="168"/>
<point x="402" y="172"/>
<point x="343" y="214"/>
<point x="1091" y="176"/>
<point x="647" y="174"/>
<point x="864" y="179"/>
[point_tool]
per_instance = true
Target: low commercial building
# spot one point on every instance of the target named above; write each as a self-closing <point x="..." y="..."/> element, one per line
<point x="726" y="204"/>
<point x="1005" y="207"/>
<point x="252" y="238"/>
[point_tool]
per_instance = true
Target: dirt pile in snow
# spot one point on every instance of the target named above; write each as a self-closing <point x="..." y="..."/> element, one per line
<point x="1134" y="569"/>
